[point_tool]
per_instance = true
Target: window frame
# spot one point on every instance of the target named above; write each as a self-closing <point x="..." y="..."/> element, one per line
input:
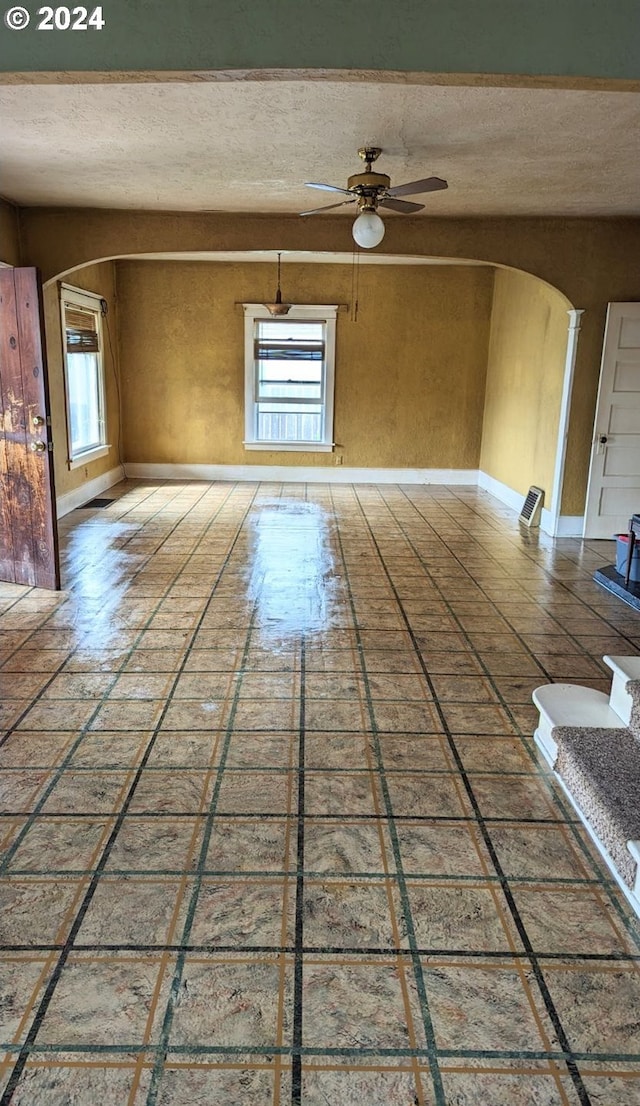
<point x="312" y="313"/>
<point x="87" y="301"/>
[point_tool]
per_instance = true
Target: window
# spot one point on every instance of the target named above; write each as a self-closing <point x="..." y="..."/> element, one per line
<point x="289" y="373"/>
<point x="84" y="375"/>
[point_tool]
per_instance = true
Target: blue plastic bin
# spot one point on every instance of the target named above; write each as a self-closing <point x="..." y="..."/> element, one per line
<point x="622" y="548"/>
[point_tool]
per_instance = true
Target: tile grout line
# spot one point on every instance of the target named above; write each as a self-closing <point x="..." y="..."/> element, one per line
<point x="286" y="875"/>
<point x="612" y="960"/>
<point x="252" y="815"/>
<point x="298" y="954"/>
<point x="491" y="1056"/>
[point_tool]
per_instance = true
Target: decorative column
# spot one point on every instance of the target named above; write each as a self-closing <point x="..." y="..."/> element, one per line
<point x="575" y="318"/>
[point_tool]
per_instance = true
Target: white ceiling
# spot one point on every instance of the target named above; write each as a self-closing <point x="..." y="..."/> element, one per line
<point x="251" y="145"/>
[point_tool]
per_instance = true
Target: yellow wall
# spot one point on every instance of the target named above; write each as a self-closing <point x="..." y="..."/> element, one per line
<point x="9" y="234"/>
<point x="100" y="279"/>
<point x="409" y="372"/>
<point x="525" y="372"/>
<point x="591" y="261"/>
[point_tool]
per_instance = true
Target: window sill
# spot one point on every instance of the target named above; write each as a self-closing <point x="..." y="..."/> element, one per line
<point x="291" y="447"/>
<point x="91" y="455"/>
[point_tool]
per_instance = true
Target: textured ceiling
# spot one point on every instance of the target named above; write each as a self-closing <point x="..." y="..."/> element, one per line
<point x="250" y="146"/>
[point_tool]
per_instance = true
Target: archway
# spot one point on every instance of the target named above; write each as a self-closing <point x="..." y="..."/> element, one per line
<point x="526" y="328"/>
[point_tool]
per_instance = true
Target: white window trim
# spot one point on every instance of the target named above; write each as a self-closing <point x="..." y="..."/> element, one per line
<point x="326" y="313"/>
<point x="94" y="454"/>
<point x="92" y="301"/>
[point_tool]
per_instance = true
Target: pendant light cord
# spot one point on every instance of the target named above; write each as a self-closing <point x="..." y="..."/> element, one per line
<point x="355" y="283"/>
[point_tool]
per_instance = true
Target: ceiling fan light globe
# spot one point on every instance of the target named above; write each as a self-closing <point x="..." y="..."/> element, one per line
<point x="368" y="230"/>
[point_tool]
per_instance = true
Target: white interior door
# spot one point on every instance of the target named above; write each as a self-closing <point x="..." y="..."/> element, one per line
<point x="613" y="493"/>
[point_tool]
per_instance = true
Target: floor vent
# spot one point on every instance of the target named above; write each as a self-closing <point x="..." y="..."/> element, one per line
<point x="531" y="507"/>
<point x="95" y="503"/>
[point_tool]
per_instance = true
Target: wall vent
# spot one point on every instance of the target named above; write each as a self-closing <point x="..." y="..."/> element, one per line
<point x="94" y="503"/>
<point x="531" y="507"/>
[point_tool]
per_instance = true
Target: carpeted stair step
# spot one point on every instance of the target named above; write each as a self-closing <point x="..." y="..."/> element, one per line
<point x="570" y="705"/>
<point x="625" y="670"/>
<point x="601" y="769"/>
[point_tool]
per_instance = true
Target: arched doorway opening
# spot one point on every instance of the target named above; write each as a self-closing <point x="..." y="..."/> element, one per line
<point x="452" y="370"/>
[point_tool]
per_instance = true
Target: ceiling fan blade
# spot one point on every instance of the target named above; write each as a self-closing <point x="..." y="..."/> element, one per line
<point x="429" y="184"/>
<point x="328" y="207"/>
<point x="401" y="205"/>
<point x="328" y="187"/>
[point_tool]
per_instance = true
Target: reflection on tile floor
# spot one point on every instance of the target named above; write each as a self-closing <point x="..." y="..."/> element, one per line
<point x="272" y="827"/>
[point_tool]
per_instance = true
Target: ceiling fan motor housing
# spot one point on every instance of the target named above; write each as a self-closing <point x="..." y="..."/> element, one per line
<point x="368" y="183"/>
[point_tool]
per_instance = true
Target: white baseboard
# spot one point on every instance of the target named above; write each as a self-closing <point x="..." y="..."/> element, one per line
<point x="91" y="488"/>
<point x="566" y="526"/>
<point x="501" y="491"/>
<point x="300" y="474"/>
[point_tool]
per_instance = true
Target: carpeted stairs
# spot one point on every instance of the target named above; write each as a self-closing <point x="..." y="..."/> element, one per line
<point x="601" y="770"/>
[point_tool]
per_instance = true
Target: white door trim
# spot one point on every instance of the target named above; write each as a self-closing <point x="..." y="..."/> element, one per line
<point x="575" y="321"/>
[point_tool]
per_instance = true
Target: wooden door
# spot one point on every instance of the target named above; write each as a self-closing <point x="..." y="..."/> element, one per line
<point x="613" y="494"/>
<point x="28" y="530"/>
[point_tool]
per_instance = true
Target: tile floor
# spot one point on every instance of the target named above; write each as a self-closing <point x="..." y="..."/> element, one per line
<point x="274" y="830"/>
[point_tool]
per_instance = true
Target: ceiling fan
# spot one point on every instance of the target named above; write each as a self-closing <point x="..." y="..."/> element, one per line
<point x="371" y="190"/>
